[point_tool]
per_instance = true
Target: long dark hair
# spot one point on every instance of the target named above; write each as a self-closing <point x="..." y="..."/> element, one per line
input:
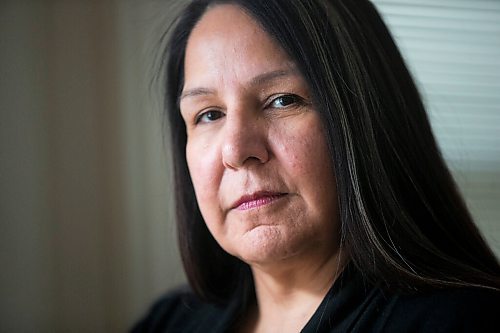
<point x="404" y="224"/>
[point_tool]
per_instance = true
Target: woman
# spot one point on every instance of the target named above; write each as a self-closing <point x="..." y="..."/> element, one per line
<point x="311" y="195"/>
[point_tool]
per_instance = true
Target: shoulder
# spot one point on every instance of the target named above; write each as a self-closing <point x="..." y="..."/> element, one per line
<point x="447" y="310"/>
<point x="181" y="311"/>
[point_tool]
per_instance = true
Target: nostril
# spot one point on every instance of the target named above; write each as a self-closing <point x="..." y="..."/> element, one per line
<point x="241" y="149"/>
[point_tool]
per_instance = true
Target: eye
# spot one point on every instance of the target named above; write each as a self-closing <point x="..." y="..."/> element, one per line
<point x="285" y="100"/>
<point x="209" y="116"/>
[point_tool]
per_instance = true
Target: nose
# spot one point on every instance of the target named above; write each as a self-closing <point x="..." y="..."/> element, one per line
<point x="244" y="142"/>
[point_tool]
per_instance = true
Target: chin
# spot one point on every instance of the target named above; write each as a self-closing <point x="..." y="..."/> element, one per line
<point x="263" y="245"/>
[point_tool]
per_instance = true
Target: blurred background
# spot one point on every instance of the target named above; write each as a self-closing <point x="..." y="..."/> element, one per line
<point x="87" y="239"/>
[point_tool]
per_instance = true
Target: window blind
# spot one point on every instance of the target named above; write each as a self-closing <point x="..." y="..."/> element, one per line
<point x="452" y="48"/>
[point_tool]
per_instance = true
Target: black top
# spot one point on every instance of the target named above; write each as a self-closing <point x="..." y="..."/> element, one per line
<point x="350" y="305"/>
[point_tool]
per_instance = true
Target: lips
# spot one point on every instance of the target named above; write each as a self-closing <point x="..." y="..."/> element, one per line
<point x="257" y="199"/>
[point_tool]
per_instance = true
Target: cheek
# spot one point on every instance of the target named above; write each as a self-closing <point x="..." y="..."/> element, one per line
<point x="204" y="171"/>
<point x="303" y="149"/>
<point x="305" y="156"/>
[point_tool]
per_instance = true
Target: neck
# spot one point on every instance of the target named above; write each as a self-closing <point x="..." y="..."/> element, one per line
<point x="288" y="293"/>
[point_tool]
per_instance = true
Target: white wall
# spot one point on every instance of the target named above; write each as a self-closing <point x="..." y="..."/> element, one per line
<point x="26" y="251"/>
<point x="86" y="239"/>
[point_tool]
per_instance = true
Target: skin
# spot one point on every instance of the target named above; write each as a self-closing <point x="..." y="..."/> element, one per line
<point x="258" y="160"/>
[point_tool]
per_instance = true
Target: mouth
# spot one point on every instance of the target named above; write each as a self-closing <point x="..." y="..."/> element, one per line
<point x="257" y="199"/>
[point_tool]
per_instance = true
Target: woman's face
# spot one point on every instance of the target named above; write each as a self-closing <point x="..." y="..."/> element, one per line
<point x="256" y="150"/>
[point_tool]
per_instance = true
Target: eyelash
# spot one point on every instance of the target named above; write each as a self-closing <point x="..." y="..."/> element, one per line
<point x="205" y="113"/>
<point x="297" y="101"/>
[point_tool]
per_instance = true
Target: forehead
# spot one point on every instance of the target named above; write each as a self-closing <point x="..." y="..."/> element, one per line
<point x="227" y="43"/>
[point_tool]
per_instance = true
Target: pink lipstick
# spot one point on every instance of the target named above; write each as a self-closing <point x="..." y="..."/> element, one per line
<point x="257" y="199"/>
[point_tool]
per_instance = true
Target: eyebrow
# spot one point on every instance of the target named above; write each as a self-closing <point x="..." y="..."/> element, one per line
<point x="273" y="75"/>
<point x="256" y="81"/>
<point x="196" y="92"/>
